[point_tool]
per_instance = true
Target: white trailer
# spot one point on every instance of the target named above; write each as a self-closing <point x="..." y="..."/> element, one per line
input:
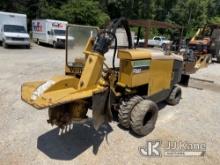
<point x="49" y="31"/>
<point x="13" y="29"/>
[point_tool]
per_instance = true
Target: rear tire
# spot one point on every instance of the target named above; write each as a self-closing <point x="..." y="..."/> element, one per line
<point x="175" y="96"/>
<point x="144" y="117"/>
<point x="38" y="42"/>
<point x="124" y="113"/>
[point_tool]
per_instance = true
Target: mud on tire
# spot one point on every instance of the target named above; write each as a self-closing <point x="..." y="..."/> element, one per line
<point x="175" y="96"/>
<point x="124" y="113"/>
<point x="144" y="117"/>
<point x="4" y="44"/>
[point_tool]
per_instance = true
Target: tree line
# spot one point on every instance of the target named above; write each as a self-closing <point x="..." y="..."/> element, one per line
<point x="190" y="14"/>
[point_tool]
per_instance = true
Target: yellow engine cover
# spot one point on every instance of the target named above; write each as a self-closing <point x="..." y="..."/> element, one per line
<point x="140" y="67"/>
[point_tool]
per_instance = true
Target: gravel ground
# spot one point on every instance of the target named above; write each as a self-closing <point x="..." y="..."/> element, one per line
<point x="26" y="138"/>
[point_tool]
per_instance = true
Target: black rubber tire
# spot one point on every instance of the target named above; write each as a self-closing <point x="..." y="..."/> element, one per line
<point x="218" y="59"/>
<point x="38" y="41"/>
<point x="175" y="96"/>
<point x="54" y="44"/>
<point x="124" y="113"/>
<point x="28" y="46"/>
<point x="144" y="117"/>
<point x="4" y="44"/>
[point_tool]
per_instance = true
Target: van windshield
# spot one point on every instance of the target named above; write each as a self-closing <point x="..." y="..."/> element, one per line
<point x="60" y="32"/>
<point x="14" y="29"/>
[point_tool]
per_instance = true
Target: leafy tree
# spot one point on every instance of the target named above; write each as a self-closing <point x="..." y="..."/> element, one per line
<point x="84" y="12"/>
<point x="214" y="20"/>
<point x="189" y="13"/>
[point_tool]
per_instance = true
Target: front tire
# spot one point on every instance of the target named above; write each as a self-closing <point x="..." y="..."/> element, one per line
<point x="144" y="117"/>
<point x="28" y="46"/>
<point x="175" y="96"/>
<point x="4" y="44"/>
<point x="54" y="44"/>
<point x="124" y="113"/>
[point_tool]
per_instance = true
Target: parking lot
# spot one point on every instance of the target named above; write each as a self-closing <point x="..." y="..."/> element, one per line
<point x="26" y="138"/>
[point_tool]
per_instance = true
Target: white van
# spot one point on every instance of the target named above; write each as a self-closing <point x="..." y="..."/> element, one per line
<point x="49" y="31"/>
<point x="13" y="29"/>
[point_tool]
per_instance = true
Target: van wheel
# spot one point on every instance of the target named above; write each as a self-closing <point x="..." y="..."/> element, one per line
<point x="4" y="44"/>
<point x="175" y="96"/>
<point x="54" y="44"/>
<point x="144" y="117"/>
<point x="27" y="46"/>
<point x="124" y="113"/>
<point x="38" y="42"/>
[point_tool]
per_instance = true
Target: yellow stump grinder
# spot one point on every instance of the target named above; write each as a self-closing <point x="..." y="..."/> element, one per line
<point x="133" y="88"/>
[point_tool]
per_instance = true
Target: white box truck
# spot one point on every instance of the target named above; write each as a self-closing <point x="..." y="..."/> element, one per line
<point x="13" y="29"/>
<point x="49" y="31"/>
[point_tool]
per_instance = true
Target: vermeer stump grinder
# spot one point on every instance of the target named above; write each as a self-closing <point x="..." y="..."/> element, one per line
<point x="133" y="89"/>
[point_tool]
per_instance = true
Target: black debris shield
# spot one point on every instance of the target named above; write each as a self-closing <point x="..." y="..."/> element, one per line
<point x="101" y="108"/>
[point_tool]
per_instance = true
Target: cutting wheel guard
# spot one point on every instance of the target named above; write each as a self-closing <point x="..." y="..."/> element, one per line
<point x="101" y="110"/>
